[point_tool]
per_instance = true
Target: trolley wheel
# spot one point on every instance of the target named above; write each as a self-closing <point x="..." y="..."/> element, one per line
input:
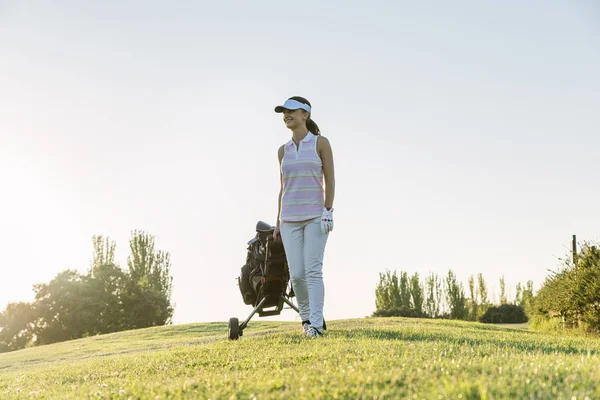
<point x="234" y="328"/>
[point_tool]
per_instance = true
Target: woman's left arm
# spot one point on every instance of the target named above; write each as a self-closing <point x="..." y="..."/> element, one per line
<point x="326" y="154"/>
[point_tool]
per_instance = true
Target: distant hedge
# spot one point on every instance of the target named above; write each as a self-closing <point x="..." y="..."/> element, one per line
<point x="401" y="311"/>
<point x="504" y="314"/>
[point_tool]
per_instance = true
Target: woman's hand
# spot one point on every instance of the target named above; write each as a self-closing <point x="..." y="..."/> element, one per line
<point x="276" y="235"/>
<point x="327" y="221"/>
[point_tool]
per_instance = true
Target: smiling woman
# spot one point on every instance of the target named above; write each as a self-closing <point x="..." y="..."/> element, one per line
<point x="305" y="215"/>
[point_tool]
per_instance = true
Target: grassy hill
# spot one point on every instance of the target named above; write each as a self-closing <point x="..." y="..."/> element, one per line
<point x="379" y="358"/>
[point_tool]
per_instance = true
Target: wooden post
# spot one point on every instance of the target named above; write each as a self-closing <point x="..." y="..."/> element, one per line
<point x="574" y="250"/>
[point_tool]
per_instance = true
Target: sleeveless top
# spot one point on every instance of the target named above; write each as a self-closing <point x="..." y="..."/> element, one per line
<point x="303" y="196"/>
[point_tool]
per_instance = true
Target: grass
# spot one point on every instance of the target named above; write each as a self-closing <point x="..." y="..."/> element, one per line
<point x="378" y="358"/>
<point x="525" y="326"/>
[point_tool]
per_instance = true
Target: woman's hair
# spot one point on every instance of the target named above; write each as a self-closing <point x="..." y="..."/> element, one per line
<point x="310" y="124"/>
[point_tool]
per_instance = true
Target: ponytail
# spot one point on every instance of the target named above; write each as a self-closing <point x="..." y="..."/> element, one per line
<point x="312" y="126"/>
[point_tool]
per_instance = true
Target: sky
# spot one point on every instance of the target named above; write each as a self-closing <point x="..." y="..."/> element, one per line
<point x="465" y="136"/>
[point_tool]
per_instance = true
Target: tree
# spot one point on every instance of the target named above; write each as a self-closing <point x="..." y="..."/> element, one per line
<point x="431" y="305"/>
<point x="555" y="298"/>
<point x="416" y="291"/>
<point x="519" y="295"/>
<point x="439" y="294"/>
<point x="382" y="295"/>
<point x="572" y="293"/>
<point x="74" y="305"/>
<point x="147" y="298"/>
<point x="502" y="291"/>
<point x="482" y="291"/>
<point x="64" y="308"/>
<point x="394" y="290"/>
<point x="587" y="289"/>
<point x="392" y="295"/>
<point x="404" y="290"/>
<point x="16" y="326"/>
<point x="106" y="285"/>
<point x="104" y="299"/>
<point x="387" y="294"/>
<point x="435" y="302"/>
<point x="472" y="300"/>
<point x="104" y="252"/>
<point x="527" y="297"/>
<point x="455" y="297"/>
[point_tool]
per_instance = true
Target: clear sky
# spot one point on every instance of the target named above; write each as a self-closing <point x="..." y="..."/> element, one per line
<point x="465" y="136"/>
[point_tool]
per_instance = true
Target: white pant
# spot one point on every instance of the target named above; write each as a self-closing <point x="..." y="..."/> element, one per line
<point x="304" y="245"/>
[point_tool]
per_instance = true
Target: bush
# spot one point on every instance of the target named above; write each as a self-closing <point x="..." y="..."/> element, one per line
<point x="505" y="314"/>
<point x="553" y="325"/>
<point x="572" y="293"/>
<point x="401" y="311"/>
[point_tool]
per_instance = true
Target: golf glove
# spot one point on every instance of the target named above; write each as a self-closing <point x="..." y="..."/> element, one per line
<point x="327" y="221"/>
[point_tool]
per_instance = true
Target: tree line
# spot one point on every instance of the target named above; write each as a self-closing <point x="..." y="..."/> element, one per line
<point x="570" y="297"/>
<point x="106" y="298"/>
<point x="434" y="296"/>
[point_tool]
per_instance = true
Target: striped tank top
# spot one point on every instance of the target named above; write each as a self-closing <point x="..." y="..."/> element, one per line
<point x="303" y="195"/>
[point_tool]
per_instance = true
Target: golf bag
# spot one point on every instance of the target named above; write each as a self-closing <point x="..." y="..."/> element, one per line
<point x="253" y="272"/>
<point x="264" y="278"/>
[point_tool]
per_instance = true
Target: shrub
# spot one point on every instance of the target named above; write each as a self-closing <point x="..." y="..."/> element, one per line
<point x="504" y="314"/>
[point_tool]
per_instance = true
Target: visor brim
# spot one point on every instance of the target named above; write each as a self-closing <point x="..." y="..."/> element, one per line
<point x="292" y="105"/>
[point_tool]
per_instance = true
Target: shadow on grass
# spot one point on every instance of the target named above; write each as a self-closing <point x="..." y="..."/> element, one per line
<point x="438" y="322"/>
<point x="433" y="336"/>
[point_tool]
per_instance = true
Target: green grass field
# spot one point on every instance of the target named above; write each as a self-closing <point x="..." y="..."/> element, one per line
<point x="380" y="358"/>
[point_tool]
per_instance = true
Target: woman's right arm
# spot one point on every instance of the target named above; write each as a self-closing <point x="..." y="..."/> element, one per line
<point x="280" y="155"/>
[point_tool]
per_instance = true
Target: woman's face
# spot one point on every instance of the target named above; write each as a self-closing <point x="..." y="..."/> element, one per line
<point x="294" y="118"/>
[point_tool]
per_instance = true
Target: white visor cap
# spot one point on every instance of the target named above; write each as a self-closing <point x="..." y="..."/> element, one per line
<point x="291" y="104"/>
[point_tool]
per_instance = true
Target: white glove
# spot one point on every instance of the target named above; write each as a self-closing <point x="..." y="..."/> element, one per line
<point x="327" y="221"/>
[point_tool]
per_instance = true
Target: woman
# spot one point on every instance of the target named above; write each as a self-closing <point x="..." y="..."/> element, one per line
<point x="305" y="214"/>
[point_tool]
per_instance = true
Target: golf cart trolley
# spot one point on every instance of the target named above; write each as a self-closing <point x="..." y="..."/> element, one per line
<point x="264" y="278"/>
